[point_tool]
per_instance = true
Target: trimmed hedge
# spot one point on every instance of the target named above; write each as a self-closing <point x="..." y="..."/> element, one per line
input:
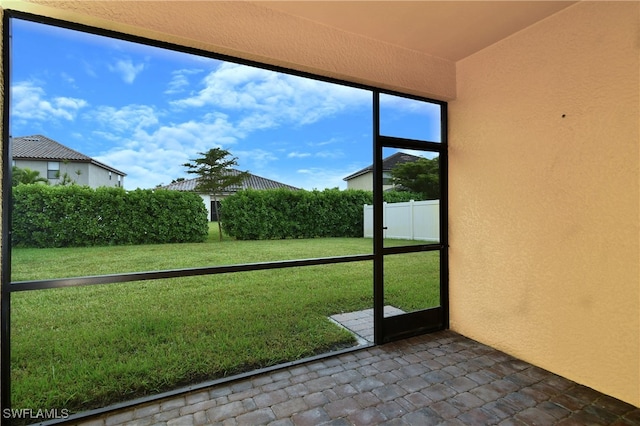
<point x="399" y="196"/>
<point x="76" y="216"/>
<point x="282" y="213"/>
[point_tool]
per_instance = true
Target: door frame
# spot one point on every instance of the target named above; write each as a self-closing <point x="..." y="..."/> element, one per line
<point x="421" y="321"/>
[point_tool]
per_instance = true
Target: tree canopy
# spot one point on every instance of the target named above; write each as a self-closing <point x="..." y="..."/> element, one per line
<point x="26" y="176"/>
<point x="215" y="173"/>
<point x="421" y="176"/>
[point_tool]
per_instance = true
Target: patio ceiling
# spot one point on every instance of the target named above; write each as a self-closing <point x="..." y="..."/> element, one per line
<point x="355" y="41"/>
<point x="450" y="30"/>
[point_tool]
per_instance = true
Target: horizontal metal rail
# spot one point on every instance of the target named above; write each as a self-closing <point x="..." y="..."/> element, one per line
<point x="206" y="270"/>
<point x="178" y="273"/>
<point x="412" y="249"/>
<point x="404" y="143"/>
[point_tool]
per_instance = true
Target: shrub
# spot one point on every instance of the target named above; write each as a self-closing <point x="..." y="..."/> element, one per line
<point x="282" y="213"/>
<point x="75" y="216"/>
<point x="401" y="196"/>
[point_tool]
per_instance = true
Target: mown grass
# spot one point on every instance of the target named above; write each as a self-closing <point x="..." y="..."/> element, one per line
<point x="85" y="347"/>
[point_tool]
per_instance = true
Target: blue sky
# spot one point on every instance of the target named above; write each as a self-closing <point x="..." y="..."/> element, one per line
<point x="146" y="111"/>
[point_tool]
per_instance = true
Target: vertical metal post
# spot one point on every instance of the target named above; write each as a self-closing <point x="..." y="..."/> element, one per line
<point x="5" y="255"/>
<point x="378" y="241"/>
<point x="444" y="215"/>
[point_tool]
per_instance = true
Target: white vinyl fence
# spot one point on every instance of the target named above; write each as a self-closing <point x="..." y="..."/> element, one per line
<point x="413" y="220"/>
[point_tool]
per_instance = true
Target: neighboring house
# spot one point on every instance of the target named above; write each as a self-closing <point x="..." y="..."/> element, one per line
<point x="363" y="179"/>
<point x="54" y="160"/>
<point x="252" y="182"/>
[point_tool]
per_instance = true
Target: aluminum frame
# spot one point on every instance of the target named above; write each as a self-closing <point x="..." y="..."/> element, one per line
<point x="426" y="320"/>
<point x="384" y="329"/>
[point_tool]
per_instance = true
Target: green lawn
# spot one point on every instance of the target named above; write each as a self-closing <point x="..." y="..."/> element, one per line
<point x="85" y="347"/>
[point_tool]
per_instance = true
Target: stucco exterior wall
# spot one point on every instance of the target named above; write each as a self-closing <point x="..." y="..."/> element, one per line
<point x="39" y="166"/>
<point x="364" y="181"/>
<point x="544" y="196"/>
<point x="97" y="176"/>
<point x="72" y="169"/>
<point x="68" y="168"/>
<point x="90" y="174"/>
<point x="238" y="29"/>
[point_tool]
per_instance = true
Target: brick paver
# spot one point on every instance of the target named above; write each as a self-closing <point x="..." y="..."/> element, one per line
<point x="440" y="378"/>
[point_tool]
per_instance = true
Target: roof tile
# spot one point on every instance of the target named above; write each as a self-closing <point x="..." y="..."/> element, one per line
<point x="387" y="164"/>
<point x="38" y="147"/>
<point x="252" y="182"/>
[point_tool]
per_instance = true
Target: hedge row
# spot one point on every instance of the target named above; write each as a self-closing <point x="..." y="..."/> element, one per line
<point x="281" y="213"/>
<point x="74" y="216"/>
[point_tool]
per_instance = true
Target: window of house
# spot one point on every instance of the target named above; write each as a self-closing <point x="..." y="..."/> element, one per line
<point x="53" y="170"/>
<point x="387" y="179"/>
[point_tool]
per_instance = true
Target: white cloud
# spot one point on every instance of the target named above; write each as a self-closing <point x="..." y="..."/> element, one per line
<point x="152" y="154"/>
<point x="127" y="70"/>
<point x="257" y="121"/>
<point x="89" y="68"/>
<point x="298" y="154"/>
<point x="319" y="154"/>
<point x="29" y="102"/>
<point x="144" y="169"/>
<point x="180" y="81"/>
<point x="322" y="178"/>
<point x="330" y="154"/>
<point x="268" y="99"/>
<point x="254" y="159"/>
<point x="69" y="104"/>
<point x="408" y="105"/>
<point x="68" y="78"/>
<point x="124" y="119"/>
<point x="325" y="142"/>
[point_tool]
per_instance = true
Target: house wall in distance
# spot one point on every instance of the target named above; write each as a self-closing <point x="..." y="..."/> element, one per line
<point x="102" y="177"/>
<point x="89" y="174"/>
<point x="544" y="196"/>
<point x="79" y="172"/>
<point x="364" y="182"/>
<point x="207" y="200"/>
<point x="70" y="168"/>
<point x="38" y="166"/>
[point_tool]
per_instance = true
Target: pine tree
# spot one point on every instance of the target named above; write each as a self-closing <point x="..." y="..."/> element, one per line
<point x="215" y="174"/>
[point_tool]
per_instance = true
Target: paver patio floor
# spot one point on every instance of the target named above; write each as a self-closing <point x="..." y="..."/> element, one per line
<point x="440" y="378"/>
<point x="360" y="323"/>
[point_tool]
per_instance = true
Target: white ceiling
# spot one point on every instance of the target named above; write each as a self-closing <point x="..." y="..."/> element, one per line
<point x="450" y="30"/>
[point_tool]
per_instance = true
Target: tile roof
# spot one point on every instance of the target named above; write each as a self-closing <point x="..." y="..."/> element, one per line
<point x="387" y="164"/>
<point x="252" y="182"/>
<point x="38" y="147"/>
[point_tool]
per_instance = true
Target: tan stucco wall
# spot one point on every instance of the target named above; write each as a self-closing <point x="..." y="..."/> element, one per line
<point x="239" y="29"/>
<point x="544" y="196"/>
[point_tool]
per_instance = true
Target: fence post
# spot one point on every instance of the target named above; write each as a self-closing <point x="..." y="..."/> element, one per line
<point x="411" y="216"/>
<point x="384" y="219"/>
